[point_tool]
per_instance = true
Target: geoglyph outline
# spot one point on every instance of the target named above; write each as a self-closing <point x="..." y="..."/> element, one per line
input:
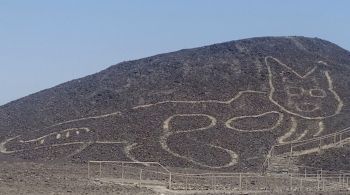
<point x="167" y="133"/>
<point x="330" y="88"/>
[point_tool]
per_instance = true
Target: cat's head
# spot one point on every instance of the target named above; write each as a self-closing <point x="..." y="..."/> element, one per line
<point x="310" y="95"/>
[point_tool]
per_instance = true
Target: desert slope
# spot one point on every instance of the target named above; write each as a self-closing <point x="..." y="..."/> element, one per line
<point x="215" y="107"/>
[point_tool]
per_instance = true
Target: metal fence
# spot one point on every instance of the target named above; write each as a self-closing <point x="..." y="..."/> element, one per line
<point x="157" y="175"/>
<point x="312" y="145"/>
<point x="129" y="172"/>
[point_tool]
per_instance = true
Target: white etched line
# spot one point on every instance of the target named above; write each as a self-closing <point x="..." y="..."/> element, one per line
<point x="55" y="133"/>
<point x="201" y="101"/>
<point x="320" y="129"/>
<point x="272" y="89"/>
<point x="291" y="131"/>
<point x="301" y="136"/>
<point x="230" y="123"/>
<point x="110" y="142"/>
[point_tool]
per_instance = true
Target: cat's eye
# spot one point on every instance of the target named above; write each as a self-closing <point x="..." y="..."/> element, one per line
<point x="295" y="90"/>
<point x="317" y="93"/>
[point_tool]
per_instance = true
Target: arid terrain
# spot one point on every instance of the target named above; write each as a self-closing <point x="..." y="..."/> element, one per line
<point x="238" y="106"/>
<point x="29" y="178"/>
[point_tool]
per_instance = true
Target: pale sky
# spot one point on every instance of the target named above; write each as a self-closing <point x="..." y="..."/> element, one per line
<point x="44" y="43"/>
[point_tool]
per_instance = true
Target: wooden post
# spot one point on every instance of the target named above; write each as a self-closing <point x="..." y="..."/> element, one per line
<point x="232" y="186"/>
<point x="170" y="181"/>
<point x="100" y="169"/>
<point x="214" y="182"/>
<point x="318" y="181"/>
<point x="122" y="171"/>
<point x="335" y="138"/>
<point x="88" y="169"/>
<point x="323" y="185"/>
<point x="290" y="158"/>
<point x="321" y="176"/>
<point x="291" y="182"/>
<point x="186" y="179"/>
<point x="240" y="181"/>
<point x="186" y="182"/>
<point x="140" y="177"/>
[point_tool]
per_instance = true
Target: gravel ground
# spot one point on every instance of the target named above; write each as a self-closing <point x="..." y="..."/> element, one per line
<point x="27" y="178"/>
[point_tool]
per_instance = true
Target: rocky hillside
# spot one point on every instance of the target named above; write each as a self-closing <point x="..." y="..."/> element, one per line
<point x="221" y="106"/>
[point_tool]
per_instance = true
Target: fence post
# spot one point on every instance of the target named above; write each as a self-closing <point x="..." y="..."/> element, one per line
<point x="290" y="157"/>
<point x="186" y="182"/>
<point x="214" y="183"/>
<point x="169" y="180"/>
<point x="323" y="185"/>
<point x="122" y="171"/>
<point x="88" y="169"/>
<point x="291" y="182"/>
<point x="321" y="178"/>
<point x="318" y="181"/>
<point x="100" y="169"/>
<point x="240" y="181"/>
<point x="140" y="177"/>
<point x="232" y="183"/>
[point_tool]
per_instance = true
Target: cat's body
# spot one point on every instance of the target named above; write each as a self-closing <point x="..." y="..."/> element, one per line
<point x="208" y="133"/>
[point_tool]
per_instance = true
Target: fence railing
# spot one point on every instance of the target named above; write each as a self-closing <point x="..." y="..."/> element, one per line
<point x="154" y="174"/>
<point x="308" y="146"/>
<point x="312" y="145"/>
<point x="130" y="172"/>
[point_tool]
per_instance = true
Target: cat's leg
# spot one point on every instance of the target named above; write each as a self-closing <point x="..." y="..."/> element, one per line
<point x="301" y="129"/>
<point x="184" y="146"/>
<point x="286" y="138"/>
<point x="183" y="143"/>
<point x="320" y="128"/>
<point x="312" y="128"/>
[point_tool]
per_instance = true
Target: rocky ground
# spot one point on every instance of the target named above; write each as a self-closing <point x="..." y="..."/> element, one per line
<point x="28" y="178"/>
<point x="156" y="108"/>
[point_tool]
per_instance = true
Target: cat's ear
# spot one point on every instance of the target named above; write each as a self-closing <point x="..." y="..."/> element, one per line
<point x="321" y="72"/>
<point x="279" y="70"/>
